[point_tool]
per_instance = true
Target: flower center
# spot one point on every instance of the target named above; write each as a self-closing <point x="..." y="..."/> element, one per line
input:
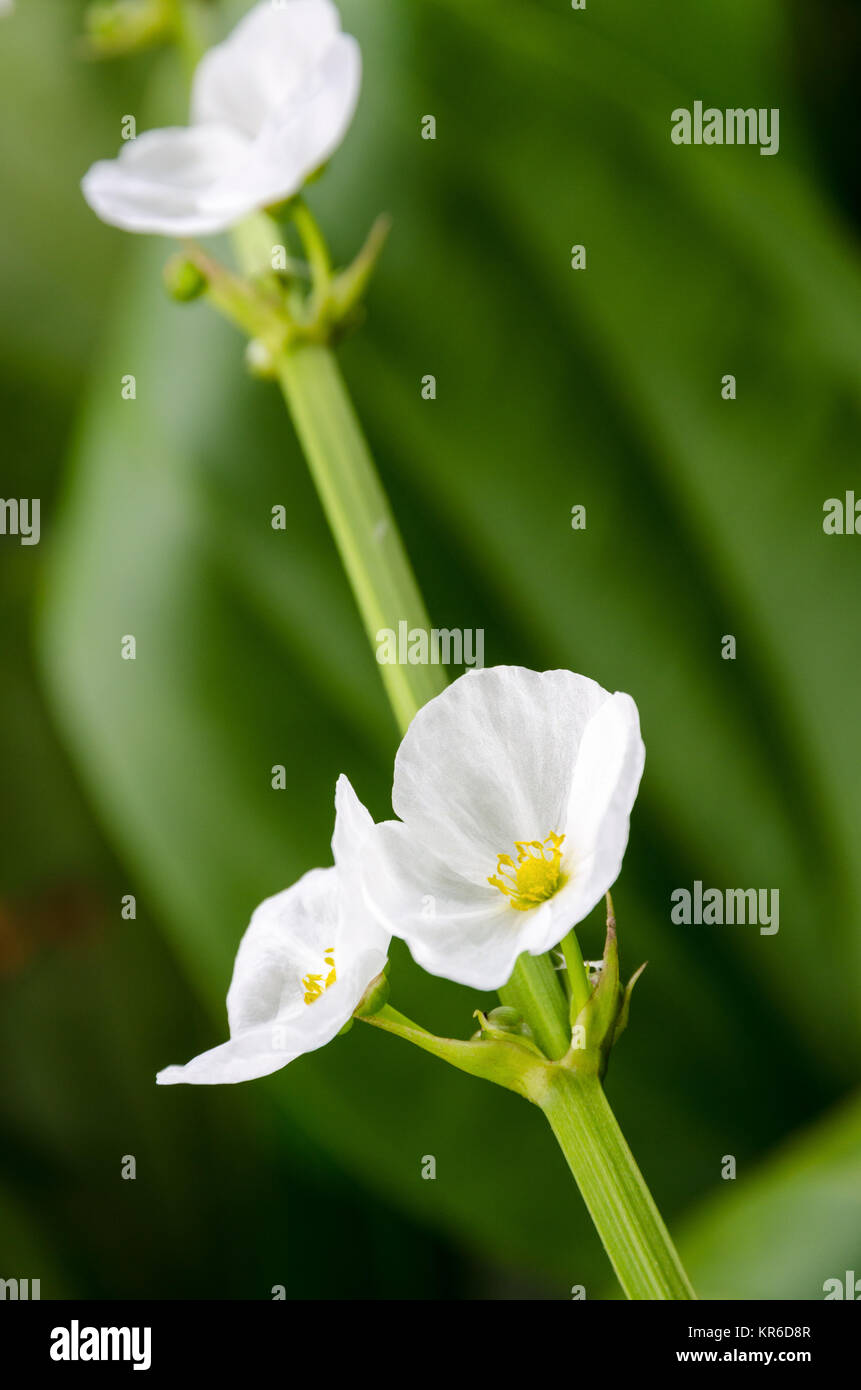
<point x="315" y="985"/>
<point x="534" y="876"/>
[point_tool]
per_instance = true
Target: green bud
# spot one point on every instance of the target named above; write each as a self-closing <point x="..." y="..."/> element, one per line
<point x="118" y="27"/>
<point x="375" y="997"/>
<point x="504" y="1024"/>
<point x="259" y="359"/>
<point x="183" y="281"/>
<point x="508" y="1020"/>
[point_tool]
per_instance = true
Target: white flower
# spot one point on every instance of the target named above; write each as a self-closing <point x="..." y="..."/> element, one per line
<point x="306" y="959"/>
<point x="268" y="108"/>
<point x="514" y="791"/>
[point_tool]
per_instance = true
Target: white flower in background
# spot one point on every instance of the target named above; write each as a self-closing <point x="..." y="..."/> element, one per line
<point x="302" y="966"/>
<point x="268" y="108"/>
<point x="514" y="791"/>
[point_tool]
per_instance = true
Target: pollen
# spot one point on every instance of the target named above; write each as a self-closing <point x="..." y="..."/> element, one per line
<point x="316" y="985"/>
<point x="534" y="876"/>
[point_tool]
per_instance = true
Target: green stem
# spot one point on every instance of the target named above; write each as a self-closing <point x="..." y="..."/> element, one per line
<point x="507" y="1063"/>
<point x="188" y="27"/>
<point x="578" y="980"/>
<point x="315" y="246"/>
<point x="619" y="1202"/>
<point x="534" y="990"/>
<point x="356" y="506"/>
<point x="232" y="296"/>
<point x="359" y="515"/>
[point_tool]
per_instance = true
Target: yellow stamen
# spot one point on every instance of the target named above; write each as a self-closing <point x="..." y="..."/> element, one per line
<point x="313" y="984"/>
<point x="536" y="875"/>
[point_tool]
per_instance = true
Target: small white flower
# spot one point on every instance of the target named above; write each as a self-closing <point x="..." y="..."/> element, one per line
<point x="514" y="791"/>
<point x="306" y="959"/>
<point x="268" y="108"/>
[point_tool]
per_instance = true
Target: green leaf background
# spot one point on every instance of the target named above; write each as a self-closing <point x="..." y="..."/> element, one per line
<point x="555" y="387"/>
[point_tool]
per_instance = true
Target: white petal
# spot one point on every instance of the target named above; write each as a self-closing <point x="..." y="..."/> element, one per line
<point x="305" y="131"/>
<point x="353" y="825"/>
<point x="286" y="939"/>
<point x="360" y="931"/>
<point x="478" y="760"/>
<point x="604" y="788"/>
<point x="463" y="931"/>
<point x="161" y="182"/>
<point x="264" y="62"/>
<point x="295" y="142"/>
<point x="245" y="1058"/>
<point x="289" y="938"/>
<point x="606" y="780"/>
<point x="490" y="762"/>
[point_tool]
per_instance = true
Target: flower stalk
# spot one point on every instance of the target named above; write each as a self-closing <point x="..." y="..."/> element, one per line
<point x="535" y="992"/>
<point x="626" y="1218"/>
<point x="348" y="485"/>
<point x="358" y="513"/>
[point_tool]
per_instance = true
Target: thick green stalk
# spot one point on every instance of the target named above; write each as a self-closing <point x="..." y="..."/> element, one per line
<point x="534" y="990"/>
<point x="619" y="1202"/>
<point x="345" y="476"/>
<point x="188" y="26"/>
<point x="359" y="515"/>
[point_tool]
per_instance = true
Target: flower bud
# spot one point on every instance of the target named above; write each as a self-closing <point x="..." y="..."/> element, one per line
<point x="259" y="359"/>
<point x="117" y="27"/>
<point x="502" y="1019"/>
<point x="508" y="1020"/>
<point x="183" y="280"/>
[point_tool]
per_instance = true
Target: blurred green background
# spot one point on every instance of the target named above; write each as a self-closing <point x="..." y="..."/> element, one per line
<point x="554" y="388"/>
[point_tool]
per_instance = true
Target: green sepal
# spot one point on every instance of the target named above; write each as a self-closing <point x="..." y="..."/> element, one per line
<point x="625" y="1008"/>
<point x="348" y="287"/>
<point x="594" y="1027"/>
<point x="604" y="1017"/>
<point x="374" y="998"/>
